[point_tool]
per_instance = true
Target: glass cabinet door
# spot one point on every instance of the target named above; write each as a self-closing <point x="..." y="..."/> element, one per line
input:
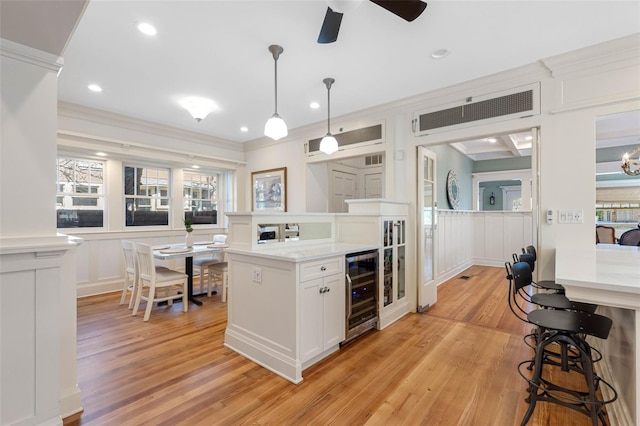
<point x="394" y="289"/>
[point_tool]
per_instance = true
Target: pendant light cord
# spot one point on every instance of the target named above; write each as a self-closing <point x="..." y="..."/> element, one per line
<point x="275" y="65"/>
<point x="329" y="109"/>
<point x="328" y="82"/>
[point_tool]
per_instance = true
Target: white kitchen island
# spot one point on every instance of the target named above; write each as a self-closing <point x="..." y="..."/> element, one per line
<point x="286" y="304"/>
<point x="609" y="275"/>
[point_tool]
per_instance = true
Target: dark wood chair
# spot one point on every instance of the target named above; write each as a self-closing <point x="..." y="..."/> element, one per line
<point x="605" y="235"/>
<point x="630" y="238"/>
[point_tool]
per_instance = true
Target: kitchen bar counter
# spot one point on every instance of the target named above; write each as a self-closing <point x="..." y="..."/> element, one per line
<point x="303" y="253"/>
<point x="608" y="275"/>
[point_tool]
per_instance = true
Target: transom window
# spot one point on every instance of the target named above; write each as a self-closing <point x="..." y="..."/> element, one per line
<point x="146" y="191"/>
<point x="80" y="193"/>
<point x="200" y="192"/>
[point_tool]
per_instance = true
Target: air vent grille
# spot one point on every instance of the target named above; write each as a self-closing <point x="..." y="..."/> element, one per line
<point x="352" y="137"/>
<point x="490" y="108"/>
<point x="372" y="160"/>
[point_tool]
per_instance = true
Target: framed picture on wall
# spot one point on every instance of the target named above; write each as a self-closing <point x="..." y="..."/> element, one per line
<point x="269" y="190"/>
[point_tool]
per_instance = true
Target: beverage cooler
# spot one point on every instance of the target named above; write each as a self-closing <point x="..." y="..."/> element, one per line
<point x="362" y="293"/>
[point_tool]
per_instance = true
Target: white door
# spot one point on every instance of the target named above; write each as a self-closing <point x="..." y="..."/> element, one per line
<point x="343" y="188"/>
<point x="427" y="227"/>
<point x="373" y="185"/>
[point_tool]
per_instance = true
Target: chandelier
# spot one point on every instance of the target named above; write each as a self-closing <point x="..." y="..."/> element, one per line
<point x="630" y="165"/>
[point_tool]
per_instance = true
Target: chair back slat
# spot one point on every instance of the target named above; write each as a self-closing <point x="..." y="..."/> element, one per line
<point x="146" y="263"/>
<point x="129" y="249"/>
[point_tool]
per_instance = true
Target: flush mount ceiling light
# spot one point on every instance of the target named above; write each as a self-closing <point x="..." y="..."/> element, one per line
<point x="146" y="28"/>
<point x="94" y="88"/>
<point x="275" y="128"/>
<point x="199" y="108"/>
<point x="630" y="165"/>
<point x="328" y="144"/>
<point x="440" y="53"/>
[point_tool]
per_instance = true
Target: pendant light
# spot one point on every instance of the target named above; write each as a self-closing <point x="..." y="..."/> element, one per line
<point x="328" y="144"/>
<point x="275" y="128"/>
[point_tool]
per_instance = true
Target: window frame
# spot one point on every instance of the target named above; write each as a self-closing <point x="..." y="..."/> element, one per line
<point x="157" y="201"/>
<point x="69" y="197"/>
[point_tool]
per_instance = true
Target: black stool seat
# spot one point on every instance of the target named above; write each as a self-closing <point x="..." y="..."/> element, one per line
<point x="550" y="285"/>
<point x="572" y="322"/>
<point x="559" y="301"/>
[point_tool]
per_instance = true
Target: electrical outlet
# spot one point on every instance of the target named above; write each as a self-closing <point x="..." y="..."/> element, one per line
<point x="257" y="275"/>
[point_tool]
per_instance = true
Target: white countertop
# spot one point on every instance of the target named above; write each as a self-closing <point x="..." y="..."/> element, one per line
<point x="303" y="253"/>
<point x="607" y="271"/>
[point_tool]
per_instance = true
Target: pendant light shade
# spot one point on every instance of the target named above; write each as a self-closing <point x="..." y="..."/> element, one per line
<point x="328" y="144"/>
<point x="275" y="127"/>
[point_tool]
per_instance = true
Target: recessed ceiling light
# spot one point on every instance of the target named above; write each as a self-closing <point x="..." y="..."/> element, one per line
<point x="146" y="28"/>
<point x="528" y="138"/>
<point x="195" y="166"/>
<point x="491" y="140"/>
<point x="440" y="53"/>
<point x="95" y="88"/>
<point x="244" y="129"/>
<point x="101" y="154"/>
<point x="314" y="105"/>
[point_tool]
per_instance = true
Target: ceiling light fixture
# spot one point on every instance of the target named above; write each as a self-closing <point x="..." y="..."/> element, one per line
<point x="629" y="165"/>
<point x="275" y="127"/>
<point x="199" y="108"/>
<point x="95" y="88"/>
<point x="440" y="53"/>
<point x="314" y="105"/>
<point x="244" y="129"/>
<point x="146" y="28"/>
<point x="328" y="144"/>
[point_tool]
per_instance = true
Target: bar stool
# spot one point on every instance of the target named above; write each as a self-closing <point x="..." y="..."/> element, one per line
<point x="520" y="277"/>
<point x="529" y="255"/>
<point x="568" y="329"/>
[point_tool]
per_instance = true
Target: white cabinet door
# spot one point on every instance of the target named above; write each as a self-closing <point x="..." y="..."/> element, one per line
<point x="311" y="319"/>
<point x="322" y="315"/>
<point x="334" y="310"/>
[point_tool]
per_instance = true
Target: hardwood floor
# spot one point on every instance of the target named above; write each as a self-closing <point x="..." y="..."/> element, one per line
<point x="454" y="365"/>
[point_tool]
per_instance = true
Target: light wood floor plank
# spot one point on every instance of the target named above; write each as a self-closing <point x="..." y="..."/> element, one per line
<point x="454" y="365"/>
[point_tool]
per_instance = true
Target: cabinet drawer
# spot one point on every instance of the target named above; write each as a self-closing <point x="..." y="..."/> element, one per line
<point x="321" y="268"/>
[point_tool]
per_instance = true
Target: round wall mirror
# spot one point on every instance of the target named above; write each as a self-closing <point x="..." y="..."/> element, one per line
<point x="453" y="190"/>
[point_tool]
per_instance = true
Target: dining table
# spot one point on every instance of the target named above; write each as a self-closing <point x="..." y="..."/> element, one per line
<point x="177" y="251"/>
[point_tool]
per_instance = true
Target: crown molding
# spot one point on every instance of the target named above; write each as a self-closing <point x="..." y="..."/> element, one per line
<point x="75" y="111"/>
<point x="607" y="54"/>
<point x="30" y="55"/>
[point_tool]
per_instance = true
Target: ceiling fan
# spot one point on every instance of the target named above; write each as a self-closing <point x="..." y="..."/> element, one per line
<point x="405" y="9"/>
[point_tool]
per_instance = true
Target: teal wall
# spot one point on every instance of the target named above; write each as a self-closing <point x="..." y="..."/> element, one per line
<point x="450" y="159"/>
<point x="494" y="187"/>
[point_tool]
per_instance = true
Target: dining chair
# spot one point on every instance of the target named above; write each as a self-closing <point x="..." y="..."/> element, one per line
<point x="130" y="272"/>
<point x="218" y="274"/>
<point x="154" y="279"/>
<point x="204" y="264"/>
<point x="630" y="238"/>
<point x="605" y="235"/>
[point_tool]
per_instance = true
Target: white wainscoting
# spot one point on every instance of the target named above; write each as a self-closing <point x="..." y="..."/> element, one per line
<point x="488" y="238"/>
<point x="100" y="261"/>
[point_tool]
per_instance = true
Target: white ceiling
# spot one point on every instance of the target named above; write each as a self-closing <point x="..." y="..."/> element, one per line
<point x="218" y="50"/>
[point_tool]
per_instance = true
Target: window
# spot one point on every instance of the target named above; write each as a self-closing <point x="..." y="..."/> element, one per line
<point x="146" y="191"/>
<point x="200" y="192"/>
<point x="80" y="193"/>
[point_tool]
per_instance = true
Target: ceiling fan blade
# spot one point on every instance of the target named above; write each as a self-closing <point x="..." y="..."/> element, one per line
<point x="406" y="9"/>
<point x="330" y="27"/>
